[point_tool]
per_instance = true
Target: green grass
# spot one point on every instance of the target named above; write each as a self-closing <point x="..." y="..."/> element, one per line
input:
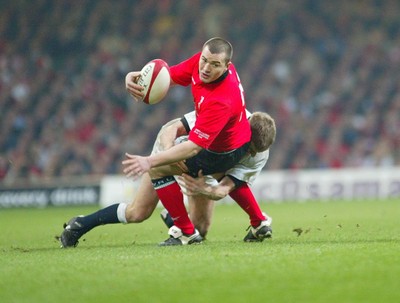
<point x="347" y="252"/>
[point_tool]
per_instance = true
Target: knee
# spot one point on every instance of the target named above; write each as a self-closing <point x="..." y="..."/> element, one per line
<point x="136" y="215"/>
<point x="155" y="173"/>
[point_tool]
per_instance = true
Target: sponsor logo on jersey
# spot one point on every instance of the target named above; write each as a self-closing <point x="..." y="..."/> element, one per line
<point x="200" y="134"/>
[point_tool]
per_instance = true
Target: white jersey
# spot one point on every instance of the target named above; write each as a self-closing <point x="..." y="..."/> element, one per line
<point x="157" y="144"/>
<point x="248" y="167"/>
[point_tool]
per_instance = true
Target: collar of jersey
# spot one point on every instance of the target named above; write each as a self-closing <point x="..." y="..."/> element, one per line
<point x="222" y="77"/>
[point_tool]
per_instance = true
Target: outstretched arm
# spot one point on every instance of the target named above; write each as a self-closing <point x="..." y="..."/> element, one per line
<point x="136" y="165"/>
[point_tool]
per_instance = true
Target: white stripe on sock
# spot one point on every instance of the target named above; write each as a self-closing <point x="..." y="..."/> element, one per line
<point x="121" y="212"/>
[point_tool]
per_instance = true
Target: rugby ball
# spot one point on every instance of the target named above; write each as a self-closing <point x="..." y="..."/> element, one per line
<point x="155" y="79"/>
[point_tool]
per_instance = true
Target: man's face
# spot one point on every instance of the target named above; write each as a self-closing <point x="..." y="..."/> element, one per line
<point x="211" y="66"/>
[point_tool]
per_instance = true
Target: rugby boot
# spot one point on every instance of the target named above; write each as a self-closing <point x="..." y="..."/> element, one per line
<point x="177" y="237"/>
<point x="259" y="233"/>
<point x="73" y="230"/>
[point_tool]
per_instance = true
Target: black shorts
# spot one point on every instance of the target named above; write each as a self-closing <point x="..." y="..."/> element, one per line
<point x="210" y="162"/>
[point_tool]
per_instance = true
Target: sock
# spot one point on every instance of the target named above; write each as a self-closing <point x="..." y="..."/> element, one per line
<point x="121" y="213"/>
<point x="107" y="215"/>
<point x="246" y="200"/>
<point x="166" y="217"/>
<point x="171" y="197"/>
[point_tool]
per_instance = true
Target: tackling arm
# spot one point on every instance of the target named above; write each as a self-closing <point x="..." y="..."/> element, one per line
<point x="202" y="186"/>
<point x="243" y="172"/>
<point x="168" y="133"/>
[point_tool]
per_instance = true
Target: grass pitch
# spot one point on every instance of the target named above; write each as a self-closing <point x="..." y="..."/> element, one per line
<point x="320" y="252"/>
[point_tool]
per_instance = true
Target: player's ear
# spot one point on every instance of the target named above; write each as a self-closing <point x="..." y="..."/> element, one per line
<point x="227" y="66"/>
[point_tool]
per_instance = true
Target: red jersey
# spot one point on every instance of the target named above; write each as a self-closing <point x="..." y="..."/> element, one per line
<point x="221" y="123"/>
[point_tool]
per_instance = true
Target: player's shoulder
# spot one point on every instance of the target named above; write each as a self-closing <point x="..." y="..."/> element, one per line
<point x="255" y="161"/>
<point x="194" y="59"/>
<point x="232" y="67"/>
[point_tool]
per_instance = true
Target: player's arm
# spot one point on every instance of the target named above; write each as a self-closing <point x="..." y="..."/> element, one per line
<point x="246" y="171"/>
<point x="136" y="165"/>
<point x="174" y="154"/>
<point x="208" y="186"/>
<point x="182" y="151"/>
<point x="169" y="132"/>
<point x="181" y="74"/>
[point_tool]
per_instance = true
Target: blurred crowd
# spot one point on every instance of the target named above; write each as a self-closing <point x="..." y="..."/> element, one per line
<point x="327" y="71"/>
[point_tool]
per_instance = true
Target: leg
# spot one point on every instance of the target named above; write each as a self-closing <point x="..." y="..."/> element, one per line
<point x="246" y="200"/>
<point x="183" y="231"/>
<point x="260" y="223"/>
<point x="171" y="196"/>
<point x="139" y="210"/>
<point x="201" y="210"/>
<point x="144" y="203"/>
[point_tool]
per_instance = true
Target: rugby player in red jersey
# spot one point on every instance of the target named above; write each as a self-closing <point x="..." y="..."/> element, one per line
<point x="201" y="191"/>
<point x="218" y="140"/>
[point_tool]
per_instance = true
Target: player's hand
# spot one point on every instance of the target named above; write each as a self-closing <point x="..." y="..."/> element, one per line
<point x="134" y="89"/>
<point x="193" y="186"/>
<point x="135" y="166"/>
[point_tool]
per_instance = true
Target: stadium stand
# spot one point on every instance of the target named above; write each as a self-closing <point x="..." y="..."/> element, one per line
<point x="327" y="71"/>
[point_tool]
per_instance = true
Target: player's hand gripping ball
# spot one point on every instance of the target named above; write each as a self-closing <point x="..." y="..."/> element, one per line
<point x="155" y="79"/>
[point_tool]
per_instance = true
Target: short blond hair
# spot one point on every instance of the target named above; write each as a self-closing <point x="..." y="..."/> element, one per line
<point x="263" y="130"/>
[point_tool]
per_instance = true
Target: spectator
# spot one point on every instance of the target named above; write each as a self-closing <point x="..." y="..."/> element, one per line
<point x="327" y="73"/>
